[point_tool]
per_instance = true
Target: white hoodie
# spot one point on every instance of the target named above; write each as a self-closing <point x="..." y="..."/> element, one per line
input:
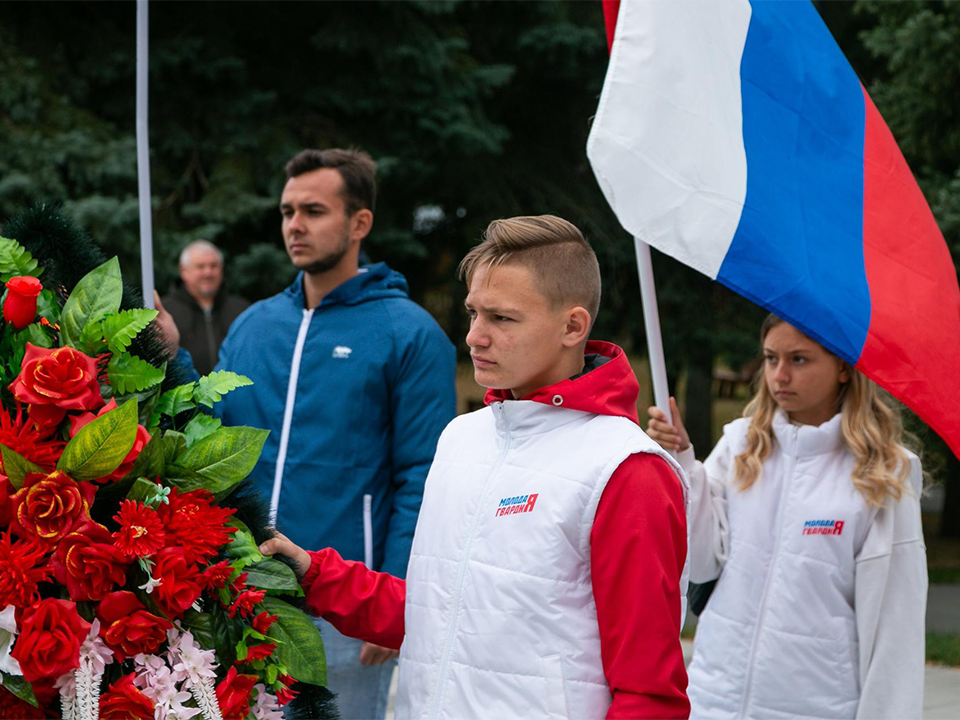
<point x="819" y="609"/>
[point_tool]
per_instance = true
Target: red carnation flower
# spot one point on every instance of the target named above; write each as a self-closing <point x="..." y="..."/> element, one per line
<point x="128" y="628"/>
<point x="20" y="307"/>
<point x="141" y="530"/>
<point x="258" y="652"/>
<point x="263" y="621"/>
<point x="54" y="381"/>
<point x="49" y="507"/>
<point x="179" y="584"/>
<point x="194" y="522"/>
<point x="20" y="434"/>
<point x="233" y="694"/>
<point x="142" y="438"/>
<point x="51" y="632"/>
<point x="216" y="576"/>
<point x="239" y="585"/>
<point x="245" y="601"/>
<point x="21" y="569"/>
<point x="88" y="564"/>
<point x="124" y="700"/>
<point x="286" y="693"/>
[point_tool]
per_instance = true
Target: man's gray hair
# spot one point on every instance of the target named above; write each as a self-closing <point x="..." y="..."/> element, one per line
<point x="199" y="245"/>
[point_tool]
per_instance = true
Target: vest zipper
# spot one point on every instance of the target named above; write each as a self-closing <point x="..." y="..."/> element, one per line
<point x="766" y="583"/>
<point x="448" y="646"/>
<point x="368" y="531"/>
<point x="288" y="413"/>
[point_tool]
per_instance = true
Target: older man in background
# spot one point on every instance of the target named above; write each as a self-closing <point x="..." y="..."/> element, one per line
<point x="202" y="312"/>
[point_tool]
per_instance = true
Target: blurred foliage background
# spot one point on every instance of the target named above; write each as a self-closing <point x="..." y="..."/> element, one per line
<point x="473" y="109"/>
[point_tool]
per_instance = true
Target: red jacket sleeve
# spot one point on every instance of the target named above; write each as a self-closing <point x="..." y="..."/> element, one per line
<point x="358" y="602"/>
<point x="638" y="548"/>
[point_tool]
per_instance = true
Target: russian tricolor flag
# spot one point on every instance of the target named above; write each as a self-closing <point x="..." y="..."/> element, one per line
<point x="735" y="137"/>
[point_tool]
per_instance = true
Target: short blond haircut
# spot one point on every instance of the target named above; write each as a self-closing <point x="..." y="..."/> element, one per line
<point x="554" y="250"/>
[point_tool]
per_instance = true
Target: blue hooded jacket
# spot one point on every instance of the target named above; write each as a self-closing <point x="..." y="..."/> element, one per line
<point x="355" y="394"/>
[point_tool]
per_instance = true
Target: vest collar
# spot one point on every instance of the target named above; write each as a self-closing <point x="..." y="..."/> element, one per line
<point x="523" y="418"/>
<point x="807" y="440"/>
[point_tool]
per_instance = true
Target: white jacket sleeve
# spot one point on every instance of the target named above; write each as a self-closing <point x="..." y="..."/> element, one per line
<point x="890" y="602"/>
<point x="708" y="520"/>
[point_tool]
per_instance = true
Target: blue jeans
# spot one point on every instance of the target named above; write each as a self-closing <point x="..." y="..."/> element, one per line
<point x="362" y="691"/>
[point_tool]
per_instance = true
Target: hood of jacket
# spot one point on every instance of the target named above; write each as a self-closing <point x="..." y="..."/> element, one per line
<point x="373" y="282"/>
<point x="608" y="385"/>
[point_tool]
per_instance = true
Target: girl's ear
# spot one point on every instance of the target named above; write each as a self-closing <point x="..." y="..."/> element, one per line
<point x="844" y="372"/>
<point x="578" y="327"/>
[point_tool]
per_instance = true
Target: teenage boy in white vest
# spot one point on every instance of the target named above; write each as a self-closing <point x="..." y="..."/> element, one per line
<point x="546" y="577"/>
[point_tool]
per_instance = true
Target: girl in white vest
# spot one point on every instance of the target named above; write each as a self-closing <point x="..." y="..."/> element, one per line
<point x="808" y="512"/>
<point x="546" y="578"/>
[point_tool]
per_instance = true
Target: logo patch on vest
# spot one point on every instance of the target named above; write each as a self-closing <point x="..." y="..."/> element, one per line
<point x="823" y="527"/>
<point x="517" y="504"/>
<point x="341" y="352"/>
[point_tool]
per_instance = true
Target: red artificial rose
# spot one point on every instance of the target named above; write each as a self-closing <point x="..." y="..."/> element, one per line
<point x="233" y="694"/>
<point x="179" y="584"/>
<point x="13" y="708"/>
<point x="88" y="564"/>
<point x="194" y="522"/>
<point x="7" y="491"/>
<point x="49" y="507"/>
<point x="51" y="633"/>
<point x="22" y="566"/>
<point x="128" y="628"/>
<point x="124" y="700"/>
<point x="141" y="530"/>
<point x="20" y="308"/>
<point x="143" y="437"/>
<point x="54" y="381"/>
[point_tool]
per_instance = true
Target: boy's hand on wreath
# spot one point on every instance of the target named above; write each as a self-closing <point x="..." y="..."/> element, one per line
<point x="371" y="654"/>
<point x="670" y="436"/>
<point x="282" y="545"/>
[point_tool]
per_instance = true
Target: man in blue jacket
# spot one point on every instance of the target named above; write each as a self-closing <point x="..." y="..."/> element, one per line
<point x="355" y="382"/>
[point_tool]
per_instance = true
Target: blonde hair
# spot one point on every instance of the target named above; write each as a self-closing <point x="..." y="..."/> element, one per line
<point x="554" y="250"/>
<point x="870" y="424"/>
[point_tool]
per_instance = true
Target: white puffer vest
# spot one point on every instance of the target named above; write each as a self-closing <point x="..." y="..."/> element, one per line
<point x="500" y="616"/>
<point x="779" y="637"/>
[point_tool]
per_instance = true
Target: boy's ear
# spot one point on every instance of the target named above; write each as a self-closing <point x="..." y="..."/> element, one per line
<point x="360" y="224"/>
<point x="578" y="327"/>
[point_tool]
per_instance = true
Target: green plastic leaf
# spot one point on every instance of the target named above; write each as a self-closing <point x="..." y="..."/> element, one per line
<point x="219" y="461"/>
<point x="299" y="646"/>
<point x="201" y="625"/>
<point x="269" y="574"/>
<point x="175" y="401"/>
<point x="173" y="445"/>
<point x="130" y="374"/>
<point x="149" y="462"/>
<point x="142" y="489"/>
<point x="243" y="547"/>
<point x="212" y="387"/>
<point x="47" y="307"/>
<point x="16" y="466"/>
<point x="15" y="260"/>
<point x="91" y="339"/>
<point x="199" y="427"/>
<point x="101" y="445"/>
<point x="20" y="687"/>
<point x="119" y="330"/>
<point x="35" y="335"/>
<point x="97" y="294"/>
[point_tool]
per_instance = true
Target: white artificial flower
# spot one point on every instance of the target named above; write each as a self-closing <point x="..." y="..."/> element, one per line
<point x="190" y="662"/>
<point x="267" y="707"/>
<point x="8" y="633"/>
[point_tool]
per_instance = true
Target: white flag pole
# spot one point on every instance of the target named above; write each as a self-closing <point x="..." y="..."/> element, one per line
<point x="651" y="321"/>
<point x="143" y="153"/>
